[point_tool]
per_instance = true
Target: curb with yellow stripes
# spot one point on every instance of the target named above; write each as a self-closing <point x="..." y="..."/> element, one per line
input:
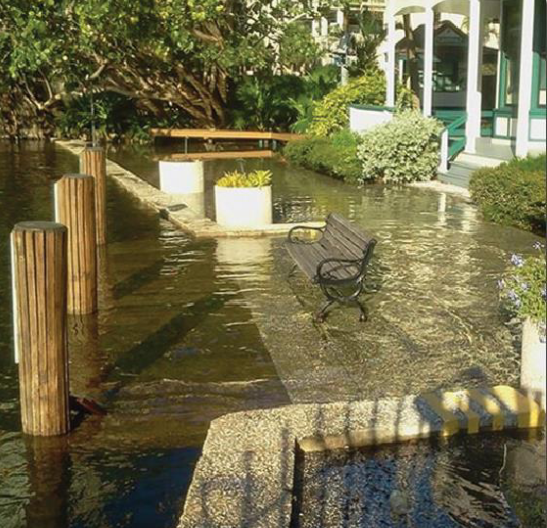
<point x="493" y="408"/>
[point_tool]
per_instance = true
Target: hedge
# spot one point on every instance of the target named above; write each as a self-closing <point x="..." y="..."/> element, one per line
<point x="335" y="155"/>
<point x="403" y="150"/>
<point x="513" y="193"/>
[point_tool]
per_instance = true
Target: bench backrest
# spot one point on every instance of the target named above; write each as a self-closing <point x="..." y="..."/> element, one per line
<point x="353" y="243"/>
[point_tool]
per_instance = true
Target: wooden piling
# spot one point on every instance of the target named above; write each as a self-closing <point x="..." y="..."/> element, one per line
<point x="39" y="252"/>
<point x="93" y="162"/>
<point x="75" y="208"/>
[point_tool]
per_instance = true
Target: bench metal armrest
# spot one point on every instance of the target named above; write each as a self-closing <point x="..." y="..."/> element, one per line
<point x="357" y="263"/>
<point x="295" y="240"/>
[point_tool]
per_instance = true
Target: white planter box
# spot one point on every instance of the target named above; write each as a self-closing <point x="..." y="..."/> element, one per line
<point x="243" y="207"/>
<point x="181" y="177"/>
<point x="533" y="359"/>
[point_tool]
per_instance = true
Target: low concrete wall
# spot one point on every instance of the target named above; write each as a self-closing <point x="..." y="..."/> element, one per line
<point x="176" y="211"/>
<point x="245" y="477"/>
<point x="363" y="118"/>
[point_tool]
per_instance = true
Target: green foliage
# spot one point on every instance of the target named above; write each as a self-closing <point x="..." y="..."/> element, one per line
<point x="163" y="55"/>
<point x="335" y="155"/>
<point x="523" y="289"/>
<point x="403" y="150"/>
<point x="513" y="193"/>
<point x="331" y="113"/>
<point x="265" y="103"/>
<point x="317" y="84"/>
<point x="530" y="163"/>
<point x="280" y="102"/>
<point x="365" y="44"/>
<point x="113" y="117"/>
<point x="298" y="50"/>
<point x="257" y="178"/>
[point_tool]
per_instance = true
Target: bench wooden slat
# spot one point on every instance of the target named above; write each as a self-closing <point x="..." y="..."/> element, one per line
<point x="309" y="256"/>
<point x="338" y="241"/>
<point x="343" y="225"/>
<point x="347" y="235"/>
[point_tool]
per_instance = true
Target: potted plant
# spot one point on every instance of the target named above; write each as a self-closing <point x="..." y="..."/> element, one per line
<point x="244" y="199"/>
<point x="523" y="290"/>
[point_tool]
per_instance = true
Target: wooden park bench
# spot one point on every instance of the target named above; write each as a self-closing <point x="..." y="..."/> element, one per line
<point x="336" y="259"/>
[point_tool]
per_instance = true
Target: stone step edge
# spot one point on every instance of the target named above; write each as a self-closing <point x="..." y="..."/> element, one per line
<point x="259" y="446"/>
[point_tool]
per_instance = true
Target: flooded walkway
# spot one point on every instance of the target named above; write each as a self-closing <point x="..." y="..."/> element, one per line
<point x="189" y="330"/>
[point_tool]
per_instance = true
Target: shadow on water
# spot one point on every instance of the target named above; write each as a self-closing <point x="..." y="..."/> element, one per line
<point x="134" y="361"/>
<point x="159" y="297"/>
<point x="177" y="343"/>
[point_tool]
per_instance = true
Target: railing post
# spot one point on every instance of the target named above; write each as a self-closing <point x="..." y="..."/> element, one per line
<point x="443" y="163"/>
<point x="93" y="162"/>
<point x="40" y="292"/>
<point x="75" y="208"/>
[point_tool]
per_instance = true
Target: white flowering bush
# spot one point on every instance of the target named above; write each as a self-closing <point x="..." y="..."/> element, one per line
<point x="403" y="150"/>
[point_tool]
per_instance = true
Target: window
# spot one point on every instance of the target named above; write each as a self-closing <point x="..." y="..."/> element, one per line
<point x="540" y="49"/>
<point x="510" y="47"/>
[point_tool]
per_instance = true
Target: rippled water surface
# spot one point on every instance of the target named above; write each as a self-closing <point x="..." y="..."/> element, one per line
<point x="192" y="329"/>
<point x="426" y="484"/>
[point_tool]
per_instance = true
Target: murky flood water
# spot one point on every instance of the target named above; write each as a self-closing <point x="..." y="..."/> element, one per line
<point x="426" y="484"/>
<point x="189" y="330"/>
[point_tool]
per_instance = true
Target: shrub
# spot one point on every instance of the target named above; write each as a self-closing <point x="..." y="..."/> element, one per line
<point x="523" y="289"/>
<point x="530" y="163"/>
<point x="331" y="113"/>
<point x="403" y="150"/>
<point x="258" y="178"/>
<point x="335" y="155"/>
<point x="512" y="194"/>
<point x="263" y="103"/>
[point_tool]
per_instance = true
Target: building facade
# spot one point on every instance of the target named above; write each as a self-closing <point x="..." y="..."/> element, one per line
<point x="516" y="93"/>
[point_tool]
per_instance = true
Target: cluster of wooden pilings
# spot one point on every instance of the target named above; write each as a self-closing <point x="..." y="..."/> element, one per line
<point x="54" y="273"/>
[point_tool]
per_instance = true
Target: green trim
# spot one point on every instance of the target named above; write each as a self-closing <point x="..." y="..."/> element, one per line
<point x="539" y="26"/>
<point x="456" y="131"/>
<point x="456" y="147"/>
<point x="372" y="107"/>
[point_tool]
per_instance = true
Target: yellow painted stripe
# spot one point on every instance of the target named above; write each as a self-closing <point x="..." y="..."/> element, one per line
<point x="490" y="405"/>
<point x="460" y="400"/>
<point x="451" y="425"/>
<point x="529" y="413"/>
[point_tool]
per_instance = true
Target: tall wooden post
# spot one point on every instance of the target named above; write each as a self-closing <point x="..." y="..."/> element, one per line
<point x="75" y="208"/>
<point x="40" y="294"/>
<point x="93" y="162"/>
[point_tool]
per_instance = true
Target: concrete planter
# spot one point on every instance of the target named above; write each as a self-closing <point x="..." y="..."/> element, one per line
<point x="533" y="359"/>
<point x="243" y="206"/>
<point x="181" y="177"/>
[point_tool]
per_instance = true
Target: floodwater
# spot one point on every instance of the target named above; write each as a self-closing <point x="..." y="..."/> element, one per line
<point x="186" y="333"/>
<point x="426" y="484"/>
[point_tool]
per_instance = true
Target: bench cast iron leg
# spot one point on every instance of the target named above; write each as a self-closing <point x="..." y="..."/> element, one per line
<point x="363" y="318"/>
<point x="321" y="315"/>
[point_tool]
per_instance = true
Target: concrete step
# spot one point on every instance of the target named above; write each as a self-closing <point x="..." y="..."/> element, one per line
<point x="454" y="179"/>
<point x="479" y="160"/>
<point x="486" y="148"/>
<point x="459" y="168"/>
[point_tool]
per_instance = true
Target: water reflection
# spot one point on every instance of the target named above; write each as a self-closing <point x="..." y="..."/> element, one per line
<point x="187" y="329"/>
<point x="49" y="481"/>
<point x="172" y="347"/>
<point x="426" y="484"/>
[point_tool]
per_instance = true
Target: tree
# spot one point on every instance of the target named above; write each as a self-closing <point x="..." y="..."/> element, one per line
<point x="162" y="54"/>
<point x="411" y="55"/>
<point x="365" y="44"/>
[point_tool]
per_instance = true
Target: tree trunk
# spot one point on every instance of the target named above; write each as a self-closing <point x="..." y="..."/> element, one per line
<point x="412" y="58"/>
